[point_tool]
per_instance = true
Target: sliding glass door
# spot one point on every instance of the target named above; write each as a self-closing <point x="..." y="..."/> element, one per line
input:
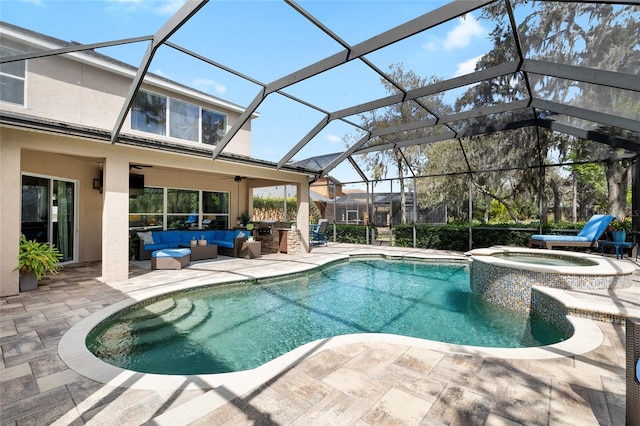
<point x="48" y="213"/>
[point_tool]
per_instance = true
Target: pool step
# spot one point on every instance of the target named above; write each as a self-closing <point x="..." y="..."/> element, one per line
<point x="181" y="309"/>
<point x="198" y="315"/>
<point x="170" y="330"/>
<point x="150" y="311"/>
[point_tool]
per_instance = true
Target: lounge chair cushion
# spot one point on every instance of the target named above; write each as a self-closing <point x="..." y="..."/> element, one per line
<point x="568" y="238"/>
<point x="589" y="233"/>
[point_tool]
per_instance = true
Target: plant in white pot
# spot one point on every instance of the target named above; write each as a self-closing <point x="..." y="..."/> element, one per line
<point x="249" y="228"/>
<point x="35" y="260"/>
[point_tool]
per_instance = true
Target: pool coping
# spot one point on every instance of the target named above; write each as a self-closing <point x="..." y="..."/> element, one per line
<point x="602" y="266"/>
<point x="73" y="351"/>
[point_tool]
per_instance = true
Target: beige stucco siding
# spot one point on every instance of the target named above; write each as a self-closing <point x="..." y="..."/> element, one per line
<point x="64" y="90"/>
<point x="76" y="159"/>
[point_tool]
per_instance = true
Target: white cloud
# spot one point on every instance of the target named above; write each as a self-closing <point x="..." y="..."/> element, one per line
<point x="333" y="138"/>
<point x="467" y="66"/>
<point x="160" y="7"/>
<point x="169" y="7"/>
<point x="205" y="85"/>
<point x="431" y="45"/>
<point x="460" y="36"/>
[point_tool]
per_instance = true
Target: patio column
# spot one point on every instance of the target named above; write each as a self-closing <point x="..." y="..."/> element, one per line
<point x="115" y="220"/>
<point x="302" y="219"/>
<point x="10" y="214"/>
<point x="635" y="201"/>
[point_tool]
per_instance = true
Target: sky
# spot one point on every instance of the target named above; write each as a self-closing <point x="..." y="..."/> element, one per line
<point x="266" y="40"/>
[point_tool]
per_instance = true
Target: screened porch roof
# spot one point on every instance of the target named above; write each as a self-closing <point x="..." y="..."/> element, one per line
<point x="586" y="85"/>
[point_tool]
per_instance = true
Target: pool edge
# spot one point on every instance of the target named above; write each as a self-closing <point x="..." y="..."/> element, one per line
<point x="73" y="351"/>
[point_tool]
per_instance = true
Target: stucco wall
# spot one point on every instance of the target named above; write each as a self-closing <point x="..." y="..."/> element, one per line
<point x="57" y="156"/>
<point x="89" y="208"/>
<point x="66" y="90"/>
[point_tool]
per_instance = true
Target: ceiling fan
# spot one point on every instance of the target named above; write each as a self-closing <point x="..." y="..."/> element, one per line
<point x="138" y="166"/>
<point x="238" y="179"/>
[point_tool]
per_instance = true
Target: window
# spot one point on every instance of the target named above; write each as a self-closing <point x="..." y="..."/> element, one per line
<point x="215" y="209"/>
<point x="182" y="206"/>
<point x="186" y="121"/>
<point x="12" y="78"/>
<point x="214" y="127"/>
<point x="183" y="120"/>
<point x="146" y="211"/>
<point x="149" y="113"/>
<point x="160" y="208"/>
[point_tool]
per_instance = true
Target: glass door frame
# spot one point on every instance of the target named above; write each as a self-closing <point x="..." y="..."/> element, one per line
<point x="76" y="203"/>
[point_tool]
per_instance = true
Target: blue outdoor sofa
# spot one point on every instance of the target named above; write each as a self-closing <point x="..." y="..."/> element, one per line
<point x="229" y="241"/>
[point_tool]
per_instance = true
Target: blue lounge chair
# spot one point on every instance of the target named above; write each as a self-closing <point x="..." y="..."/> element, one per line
<point x="318" y="233"/>
<point x="587" y="237"/>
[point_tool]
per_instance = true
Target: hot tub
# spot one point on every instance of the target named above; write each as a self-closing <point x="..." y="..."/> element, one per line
<point x="505" y="276"/>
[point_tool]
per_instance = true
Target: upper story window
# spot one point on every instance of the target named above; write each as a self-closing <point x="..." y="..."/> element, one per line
<point x="12" y="78"/>
<point x="186" y="121"/>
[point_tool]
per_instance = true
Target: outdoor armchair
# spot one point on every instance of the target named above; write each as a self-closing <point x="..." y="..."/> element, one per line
<point x="318" y="233"/>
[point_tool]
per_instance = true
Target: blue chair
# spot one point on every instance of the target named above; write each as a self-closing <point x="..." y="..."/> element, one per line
<point x="192" y="222"/>
<point x="318" y="233"/>
<point x="587" y="237"/>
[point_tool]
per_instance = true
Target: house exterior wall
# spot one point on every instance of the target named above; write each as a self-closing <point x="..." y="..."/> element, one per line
<point x="91" y="94"/>
<point x="103" y="233"/>
<point x="82" y="93"/>
<point x="82" y="170"/>
<point x="321" y="186"/>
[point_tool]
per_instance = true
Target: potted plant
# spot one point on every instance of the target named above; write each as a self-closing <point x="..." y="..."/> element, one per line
<point x="244" y="218"/>
<point x="619" y="229"/>
<point x="249" y="228"/>
<point x="36" y="259"/>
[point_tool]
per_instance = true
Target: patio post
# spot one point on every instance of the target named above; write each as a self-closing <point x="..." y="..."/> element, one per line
<point x="470" y="211"/>
<point x="115" y="219"/>
<point x="10" y="213"/>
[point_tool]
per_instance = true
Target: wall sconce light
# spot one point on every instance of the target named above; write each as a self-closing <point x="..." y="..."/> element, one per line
<point x="97" y="183"/>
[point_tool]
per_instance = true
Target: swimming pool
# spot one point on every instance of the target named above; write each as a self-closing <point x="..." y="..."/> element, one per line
<point x="239" y="327"/>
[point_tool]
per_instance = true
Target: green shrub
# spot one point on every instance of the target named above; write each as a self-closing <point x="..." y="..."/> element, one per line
<point x="456" y="237"/>
<point x="356" y="234"/>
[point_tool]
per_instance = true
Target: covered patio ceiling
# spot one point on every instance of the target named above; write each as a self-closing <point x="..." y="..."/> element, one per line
<point x="595" y="94"/>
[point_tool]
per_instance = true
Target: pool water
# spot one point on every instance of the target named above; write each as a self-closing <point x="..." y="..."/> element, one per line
<point x="546" y="259"/>
<point x="239" y="327"/>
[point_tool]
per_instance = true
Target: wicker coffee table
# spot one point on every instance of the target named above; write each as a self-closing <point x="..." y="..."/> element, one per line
<point x="210" y="251"/>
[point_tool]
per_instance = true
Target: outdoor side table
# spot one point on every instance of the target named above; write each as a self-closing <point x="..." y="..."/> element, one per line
<point x="619" y="247"/>
<point x="209" y="251"/>
<point x="251" y="249"/>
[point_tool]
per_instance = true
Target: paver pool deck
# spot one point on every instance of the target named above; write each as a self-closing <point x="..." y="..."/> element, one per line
<point x="360" y="382"/>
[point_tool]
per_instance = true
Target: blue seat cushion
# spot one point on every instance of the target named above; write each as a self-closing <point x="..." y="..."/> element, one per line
<point x="171" y="237"/>
<point x="155" y="246"/>
<point x="208" y="235"/>
<point x="568" y="238"/>
<point x="179" y="252"/>
<point x="225" y="243"/>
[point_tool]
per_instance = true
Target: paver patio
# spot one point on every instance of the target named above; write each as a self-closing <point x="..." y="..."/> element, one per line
<point x="361" y="383"/>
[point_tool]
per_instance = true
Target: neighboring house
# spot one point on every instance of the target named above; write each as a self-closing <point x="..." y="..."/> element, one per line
<point x="328" y="187"/>
<point x="382" y="209"/>
<point x="65" y="181"/>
